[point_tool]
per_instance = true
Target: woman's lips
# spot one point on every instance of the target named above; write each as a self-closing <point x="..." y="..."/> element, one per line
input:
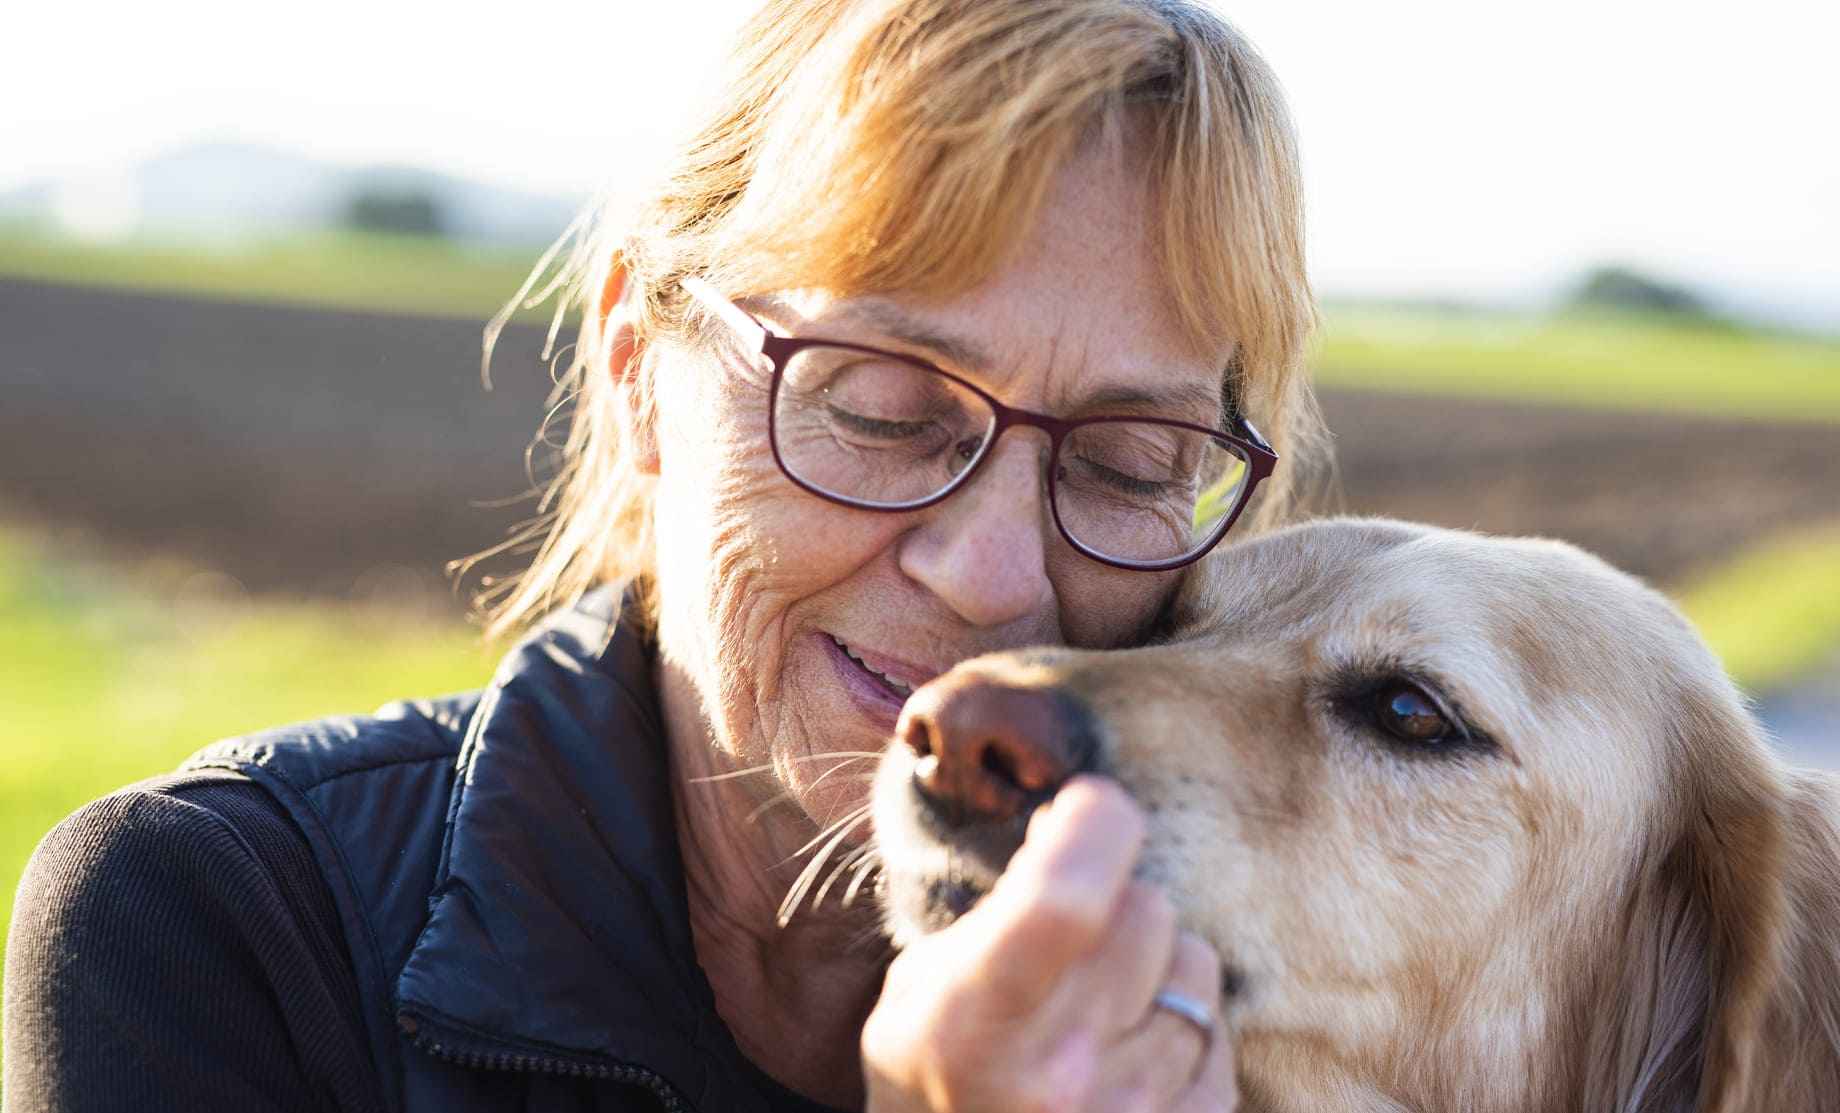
<point x="877" y="667"/>
<point x="879" y="684"/>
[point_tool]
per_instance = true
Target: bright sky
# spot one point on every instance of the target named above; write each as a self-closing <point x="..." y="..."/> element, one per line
<point x="1451" y="147"/>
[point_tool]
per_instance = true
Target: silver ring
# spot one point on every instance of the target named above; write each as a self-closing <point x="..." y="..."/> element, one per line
<point x="1191" y="1010"/>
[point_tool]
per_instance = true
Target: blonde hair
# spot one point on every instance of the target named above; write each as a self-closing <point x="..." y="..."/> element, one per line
<point x="906" y="145"/>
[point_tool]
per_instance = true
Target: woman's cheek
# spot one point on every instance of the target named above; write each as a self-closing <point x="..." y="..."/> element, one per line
<point x="1103" y="607"/>
<point x="767" y="551"/>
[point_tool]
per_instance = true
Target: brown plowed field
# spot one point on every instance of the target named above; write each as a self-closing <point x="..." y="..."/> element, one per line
<point x="1657" y="494"/>
<point x="303" y="450"/>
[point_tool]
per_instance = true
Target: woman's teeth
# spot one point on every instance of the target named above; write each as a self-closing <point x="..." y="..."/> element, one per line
<point x="904" y="689"/>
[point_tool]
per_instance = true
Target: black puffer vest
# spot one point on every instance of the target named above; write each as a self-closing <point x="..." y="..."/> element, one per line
<point x="507" y="877"/>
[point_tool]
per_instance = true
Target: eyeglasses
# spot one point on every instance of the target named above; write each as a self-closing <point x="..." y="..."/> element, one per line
<point x="882" y="431"/>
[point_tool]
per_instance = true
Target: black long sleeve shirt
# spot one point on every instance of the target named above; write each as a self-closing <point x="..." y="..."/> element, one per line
<point x="174" y="947"/>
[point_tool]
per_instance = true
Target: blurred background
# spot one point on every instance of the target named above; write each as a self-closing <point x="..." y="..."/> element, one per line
<point x="1580" y="266"/>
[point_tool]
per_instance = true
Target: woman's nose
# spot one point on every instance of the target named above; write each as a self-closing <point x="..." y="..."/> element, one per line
<point x="983" y="550"/>
<point x="989" y="751"/>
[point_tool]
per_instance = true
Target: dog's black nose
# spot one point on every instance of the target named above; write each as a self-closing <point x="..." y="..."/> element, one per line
<point x="990" y="751"/>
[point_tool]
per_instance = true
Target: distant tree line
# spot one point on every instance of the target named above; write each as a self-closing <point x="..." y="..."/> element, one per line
<point x="405" y="212"/>
<point x="1625" y="288"/>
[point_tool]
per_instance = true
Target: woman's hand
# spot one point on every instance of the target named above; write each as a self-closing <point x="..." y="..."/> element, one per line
<point x="1040" y="997"/>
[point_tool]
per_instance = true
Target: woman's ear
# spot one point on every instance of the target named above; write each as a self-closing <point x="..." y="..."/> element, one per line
<point x="625" y="355"/>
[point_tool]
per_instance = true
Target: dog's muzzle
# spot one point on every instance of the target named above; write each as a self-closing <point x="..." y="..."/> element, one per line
<point x="973" y="755"/>
<point x="987" y="752"/>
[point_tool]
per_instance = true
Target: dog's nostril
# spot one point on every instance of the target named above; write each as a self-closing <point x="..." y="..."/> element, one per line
<point x="916" y="730"/>
<point x="988" y="751"/>
<point x="998" y="764"/>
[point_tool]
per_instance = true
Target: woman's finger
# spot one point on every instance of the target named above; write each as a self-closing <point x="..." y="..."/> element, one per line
<point x="1056" y="901"/>
<point x="1195" y="977"/>
<point x="1167" y="1054"/>
<point x="1134" y="959"/>
<point x="1216" y="1088"/>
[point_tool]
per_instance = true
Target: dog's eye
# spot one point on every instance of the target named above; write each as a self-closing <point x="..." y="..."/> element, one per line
<point x="1404" y="707"/>
<point x="1404" y="711"/>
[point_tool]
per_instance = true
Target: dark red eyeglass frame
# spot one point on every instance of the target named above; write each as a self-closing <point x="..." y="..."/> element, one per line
<point x="779" y="350"/>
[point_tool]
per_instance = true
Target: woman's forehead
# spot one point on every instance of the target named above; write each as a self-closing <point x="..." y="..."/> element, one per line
<point x="1083" y="301"/>
<point x="1055" y="355"/>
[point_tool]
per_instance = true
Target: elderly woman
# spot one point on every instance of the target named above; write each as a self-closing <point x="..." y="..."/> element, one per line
<point x="959" y="326"/>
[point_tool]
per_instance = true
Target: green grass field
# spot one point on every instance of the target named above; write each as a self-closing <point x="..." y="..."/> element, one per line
<point x="110" y="678"/>
<point x="1623" y="362"/>
<point x="343" y="270"/>
<point x="1773" y="611"/>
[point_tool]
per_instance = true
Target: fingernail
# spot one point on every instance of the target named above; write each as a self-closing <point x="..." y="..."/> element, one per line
<point x="1038" y="820"/>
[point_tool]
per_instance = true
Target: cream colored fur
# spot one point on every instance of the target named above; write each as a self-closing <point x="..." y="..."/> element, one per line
<point x="1626" y="905"/>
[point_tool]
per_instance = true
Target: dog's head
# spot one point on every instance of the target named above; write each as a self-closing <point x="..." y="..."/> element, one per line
<point x="1474" y="824"/>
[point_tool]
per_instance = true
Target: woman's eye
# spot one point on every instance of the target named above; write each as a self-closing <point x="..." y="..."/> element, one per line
<point x="1123" y="480"/>
<point x="1405" y="712"/>
<point x="881" y="428"/>
<point x="1141" y="460"/>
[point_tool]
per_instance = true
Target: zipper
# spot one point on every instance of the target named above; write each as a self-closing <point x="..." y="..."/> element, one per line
<point x="463" y="1051"/>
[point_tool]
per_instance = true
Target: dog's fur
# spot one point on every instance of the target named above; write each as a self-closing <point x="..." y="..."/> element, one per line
<point x="1621" y="901"/>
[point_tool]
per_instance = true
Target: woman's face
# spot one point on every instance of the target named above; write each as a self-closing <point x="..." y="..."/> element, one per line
<point x="802" y="622"/>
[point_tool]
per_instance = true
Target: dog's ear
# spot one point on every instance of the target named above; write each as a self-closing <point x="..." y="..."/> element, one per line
<point x="1798" y="1065"/>
<point x="1737" y="857"/>
<point x="1687" y="1022"/>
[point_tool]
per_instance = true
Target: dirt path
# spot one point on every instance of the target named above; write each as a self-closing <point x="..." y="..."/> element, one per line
<point x="303" y="450"/>
<point x="1657" y="494"/>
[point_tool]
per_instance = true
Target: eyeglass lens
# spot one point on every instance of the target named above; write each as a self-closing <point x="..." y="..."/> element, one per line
<point x="887" y="433"/>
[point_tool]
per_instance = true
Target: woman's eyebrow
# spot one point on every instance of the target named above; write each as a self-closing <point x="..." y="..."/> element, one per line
<point x="891" y="321"/>
<point x="1187" y="399"/>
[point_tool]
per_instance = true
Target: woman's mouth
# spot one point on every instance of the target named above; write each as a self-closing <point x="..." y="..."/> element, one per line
<point x="895" y="686"/>
<point x="877" y="684"/>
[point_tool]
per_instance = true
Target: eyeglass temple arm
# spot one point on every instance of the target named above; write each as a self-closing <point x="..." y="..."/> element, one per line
<point x="751" y="330"/>
<point x="1257" y="437"/>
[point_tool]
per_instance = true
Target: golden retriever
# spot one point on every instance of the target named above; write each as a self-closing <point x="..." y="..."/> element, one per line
<point x="1475" y="824"/>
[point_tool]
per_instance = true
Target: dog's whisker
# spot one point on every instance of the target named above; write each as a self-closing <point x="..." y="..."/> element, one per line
<point x="849" y="778"/>
<point x="869" y="940"/>
<point x="828" y="773"/>
<point x="848" y="862"/>
<point x="842" y="867"/>
<point x="836" y="832"/>
<point x="767" y="805"/>
<point x="788" y="797"/>
<point x="843" y="757"/>
<point x="733" y="774"/>
<point x="860" y="812"/>
<point x="870" y="866"/>
<point x="796" y="895"/>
